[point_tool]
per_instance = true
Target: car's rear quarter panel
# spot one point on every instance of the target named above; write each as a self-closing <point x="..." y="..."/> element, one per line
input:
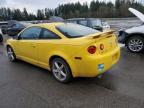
<point x="64" y="48"/>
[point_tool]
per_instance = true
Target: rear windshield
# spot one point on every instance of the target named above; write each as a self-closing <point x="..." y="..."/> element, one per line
<point x="74" y="30"/>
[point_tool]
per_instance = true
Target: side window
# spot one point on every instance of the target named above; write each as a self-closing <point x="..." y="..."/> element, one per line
<point x="83" y="22"/>
<point x="31" y="33"/>
<point x="46" y="34"/>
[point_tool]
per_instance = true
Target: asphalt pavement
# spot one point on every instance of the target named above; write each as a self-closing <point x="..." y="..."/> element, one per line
<point x="23" y="85"/>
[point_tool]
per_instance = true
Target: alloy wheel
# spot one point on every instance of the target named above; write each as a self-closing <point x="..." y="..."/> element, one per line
<point x="59" y="70"/>
<point x="10" y="53"/>
<point x="136" y="45"/>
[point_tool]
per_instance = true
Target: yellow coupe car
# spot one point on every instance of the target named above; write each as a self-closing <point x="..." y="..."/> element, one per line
<point x="67" y="50"/>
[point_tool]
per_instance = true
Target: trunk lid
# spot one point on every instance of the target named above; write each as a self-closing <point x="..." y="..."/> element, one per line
<point x="108" y="39"/>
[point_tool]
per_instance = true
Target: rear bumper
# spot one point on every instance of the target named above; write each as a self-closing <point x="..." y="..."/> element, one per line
<point x="93" y="66"/>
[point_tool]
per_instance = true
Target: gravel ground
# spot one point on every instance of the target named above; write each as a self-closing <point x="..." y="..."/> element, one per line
<point x="25" y="86"/>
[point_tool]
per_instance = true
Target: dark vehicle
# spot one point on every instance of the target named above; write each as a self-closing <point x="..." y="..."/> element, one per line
<point x="3" y="26"/>
<point x="1" y="38"/>
<point x="14" y="27"/>
<point x="56" y="19"/>
<point x="3" y="23"/>
<point x="90" y="22"/>
<point x="133" y="37"/>
<point x="4" y="29"/>
<point x="51" y="20"/>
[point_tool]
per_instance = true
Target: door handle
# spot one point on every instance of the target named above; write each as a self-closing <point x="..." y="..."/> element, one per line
<point x="32" y="45"/>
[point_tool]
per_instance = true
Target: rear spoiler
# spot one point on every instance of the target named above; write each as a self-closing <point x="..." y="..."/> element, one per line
<point x="106" y="33"/>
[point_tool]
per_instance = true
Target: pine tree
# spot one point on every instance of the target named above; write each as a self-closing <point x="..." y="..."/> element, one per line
<point x="25" y="14"/>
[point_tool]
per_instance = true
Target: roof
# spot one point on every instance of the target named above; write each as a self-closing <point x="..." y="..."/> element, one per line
<point x="48" y="24"/>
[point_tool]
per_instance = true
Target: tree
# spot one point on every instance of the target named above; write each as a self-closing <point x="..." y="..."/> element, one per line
<point x="96" y="9"/>
<point x="40" y="14"/>
<point x="25" y="14"/>
<point x="17" y="15"/>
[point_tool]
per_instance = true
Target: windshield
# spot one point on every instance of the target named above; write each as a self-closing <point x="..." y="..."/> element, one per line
<point x="95" y="23"/>
<point x="74" y="30"/>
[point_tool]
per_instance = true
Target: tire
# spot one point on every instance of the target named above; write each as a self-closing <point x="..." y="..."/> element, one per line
<point x="61" y="70"/>
<point x="135" y="44"/>
<point x="11" y="54"/>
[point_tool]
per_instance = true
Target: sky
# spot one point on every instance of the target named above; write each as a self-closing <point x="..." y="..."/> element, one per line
<point x="33" y="5"/>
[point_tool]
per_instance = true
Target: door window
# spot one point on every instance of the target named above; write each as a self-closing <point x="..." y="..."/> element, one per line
<point x="31" y="33"/>
<point x="46" y="34"/>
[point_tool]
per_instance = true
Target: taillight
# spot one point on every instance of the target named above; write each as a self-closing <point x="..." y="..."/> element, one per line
<point x="101" y="46"/>
<point x="91" y="49"/>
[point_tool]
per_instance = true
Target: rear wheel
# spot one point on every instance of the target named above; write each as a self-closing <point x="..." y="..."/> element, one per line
<point x="135" y="44"/>
<point x="61" y="70"/>
<point x="11" y="54"/>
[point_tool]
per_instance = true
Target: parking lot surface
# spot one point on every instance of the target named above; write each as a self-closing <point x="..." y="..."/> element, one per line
<point x="25" y="86"/>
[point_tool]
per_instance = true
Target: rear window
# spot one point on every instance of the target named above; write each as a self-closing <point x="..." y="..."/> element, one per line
<point x="74" y="30"/>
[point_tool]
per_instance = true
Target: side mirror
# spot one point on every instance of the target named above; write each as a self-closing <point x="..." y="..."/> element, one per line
<point x="17" y="37"/>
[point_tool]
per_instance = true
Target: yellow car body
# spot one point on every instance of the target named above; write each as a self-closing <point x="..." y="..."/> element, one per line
<point x="74" y="51"/>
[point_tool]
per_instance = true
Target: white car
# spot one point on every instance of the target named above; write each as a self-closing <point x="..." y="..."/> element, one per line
<point x="133" y="38"/>
<point x="1" y="36"/>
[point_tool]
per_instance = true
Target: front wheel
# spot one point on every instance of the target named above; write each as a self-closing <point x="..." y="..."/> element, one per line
<point x="135" y="44"/>
<point x="61" y="70"/>
<point x="11" y="54"/>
